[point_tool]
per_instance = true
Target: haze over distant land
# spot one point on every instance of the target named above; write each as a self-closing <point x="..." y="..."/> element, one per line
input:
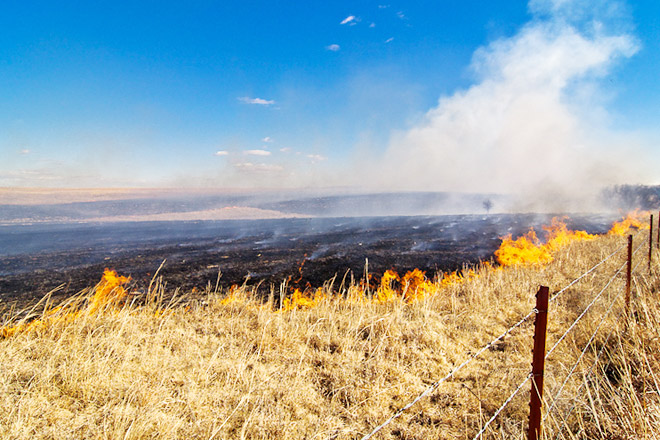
<point x="547" y="102"/>
<point x="49" y="196"/>
<point x="27" y="206"/>
<point x="92" y="206"/>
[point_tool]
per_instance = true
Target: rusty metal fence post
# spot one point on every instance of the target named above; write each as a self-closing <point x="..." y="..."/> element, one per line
<point x="650" y="242"/>
<point x="538" y="363"/>
<point x="629" y="274"/>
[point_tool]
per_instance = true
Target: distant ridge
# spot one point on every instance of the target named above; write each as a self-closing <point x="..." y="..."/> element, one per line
<point x="202" y="206"/>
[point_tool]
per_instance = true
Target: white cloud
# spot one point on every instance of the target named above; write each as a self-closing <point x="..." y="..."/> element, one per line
<point x="258" y="101"/>
<point x="285" y="150"/>
<point x="221" y="153"/>
<point x="250" y="167"/>
<point x="401" y="15"/>
<point x="372" y="25"/>
<point x="527" y="124"/>
<point x="383" y="6"/>
<point x="25" y="151"/>
<point x="348" y="19"/>
<point x="267" y="139"/>
<point x="257" y="152"/>
<point x="333" y="47"/>
<point x="316" y="157"/>
<point x="389" y="40"/>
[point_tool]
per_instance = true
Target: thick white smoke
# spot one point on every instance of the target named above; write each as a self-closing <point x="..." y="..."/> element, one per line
<point x="529" y="124"/>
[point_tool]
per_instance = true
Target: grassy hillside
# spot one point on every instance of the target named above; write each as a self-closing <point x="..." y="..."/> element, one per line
<point x="337" y="361"/>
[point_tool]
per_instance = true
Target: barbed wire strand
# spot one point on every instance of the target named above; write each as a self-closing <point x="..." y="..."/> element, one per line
<point x="584" y="312"/>
<point x="555" y="399"/>
<point x="437" y="383"/>
<point x="451" y="373"/>
<point x="641" y="244"/>
<point x="499" y="410"/>
<point x="556" y="294"/>
<point x="634" y="268"/>
<point x="598" y="356"/>
<point x="587" y="374"/>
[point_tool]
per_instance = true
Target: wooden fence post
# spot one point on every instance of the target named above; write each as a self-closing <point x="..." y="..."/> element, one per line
<point x="657" y="244"/>
<point x="538" y="363"/>
<point x="629" y="274"/>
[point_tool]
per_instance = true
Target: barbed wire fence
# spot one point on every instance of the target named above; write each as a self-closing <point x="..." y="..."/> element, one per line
<point x="536" y="392"/>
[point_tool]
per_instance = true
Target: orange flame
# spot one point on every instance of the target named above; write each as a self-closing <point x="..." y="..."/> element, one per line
<point x="38" y="324"/>
<point x="303" y="300"/>
<point x="386" y="292"/>
<point x="416" y="286"/>
<point x="631" y="220"/>
<point x="560" y="236"/>
<point x="524" y="250"/>
<point x="108" y="291"/>
<point x="456" y="277"/>
<point x="528" y="249"/>
<point x="236" y="295"/>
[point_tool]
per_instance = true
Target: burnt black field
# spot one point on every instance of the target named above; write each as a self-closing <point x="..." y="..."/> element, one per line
<point x="37" y="258"/>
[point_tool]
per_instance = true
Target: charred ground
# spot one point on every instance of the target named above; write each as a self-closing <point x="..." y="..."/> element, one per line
<point x="35" y="259"/>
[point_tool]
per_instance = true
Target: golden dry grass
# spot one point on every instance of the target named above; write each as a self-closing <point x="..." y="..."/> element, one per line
<point x="232" y="366"/>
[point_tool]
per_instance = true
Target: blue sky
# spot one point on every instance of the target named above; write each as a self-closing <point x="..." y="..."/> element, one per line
<point x="326" y="94"/>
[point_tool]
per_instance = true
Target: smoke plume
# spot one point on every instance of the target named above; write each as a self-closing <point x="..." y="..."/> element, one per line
<point x="533" y="122"/>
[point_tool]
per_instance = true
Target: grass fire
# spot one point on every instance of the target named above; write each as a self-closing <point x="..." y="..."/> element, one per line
<point x="334" y="361"/>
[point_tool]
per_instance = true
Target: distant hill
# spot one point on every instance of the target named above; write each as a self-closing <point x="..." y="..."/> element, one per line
<point x="196" y="206"/>
<point x="383" y="204"/>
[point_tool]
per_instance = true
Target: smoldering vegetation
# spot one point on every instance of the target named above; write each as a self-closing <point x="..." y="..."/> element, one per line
<point x="37" y="258"/>
<point x="43" y="246"/>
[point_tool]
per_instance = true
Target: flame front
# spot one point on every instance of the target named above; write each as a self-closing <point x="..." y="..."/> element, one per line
<point x="524" y="250"/>
<point x="560" y="236"/>
<point x="529" y="250"/>
<point x="386" y="291"/>
<point x="301" y="300"/>
<point x="109" y="291"/>
<point x="632" y="220"/>
<point x="414" y="285"/>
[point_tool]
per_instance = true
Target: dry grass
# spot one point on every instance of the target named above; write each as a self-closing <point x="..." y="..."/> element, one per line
<point x="235" y="367"/>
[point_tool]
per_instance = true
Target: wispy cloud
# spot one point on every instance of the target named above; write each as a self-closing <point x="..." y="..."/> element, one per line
<point x="267" y="139"/>
<point x="389" y="40"/>
<point x="25" y="151"/>
<point x="221" y="153"/>
<point x="372" y="25"/>
<point x="349" y="19"/>
<point x="257" y="152"/>
<point x="285" y="150"/>
<point x="383" y="6"/>
<point x="47" y="176"/>
<point x="316" y="157"/>
<point x="257" y="101"/>
<point x="333" y="47"/>
<point x="250" y="167"/>
<point x="401" y="15"/>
